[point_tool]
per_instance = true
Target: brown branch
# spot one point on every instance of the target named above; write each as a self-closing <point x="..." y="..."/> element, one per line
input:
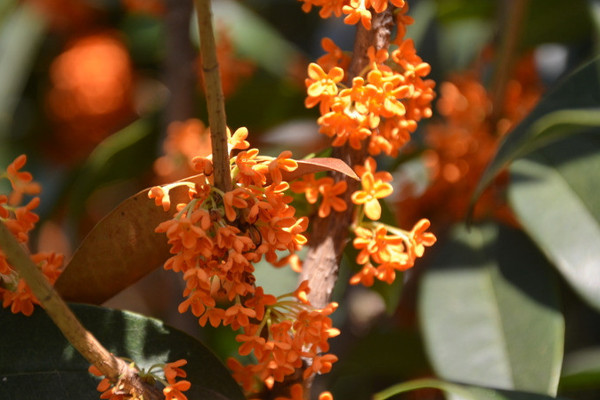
<point x="329" y="235"/>
<point x="82" y="340"/>
<point x="214" y="96"/>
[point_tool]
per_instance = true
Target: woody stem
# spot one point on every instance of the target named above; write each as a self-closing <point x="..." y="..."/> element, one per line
<point x="330" y="235"/>
<point x="62" y="316"/>
<point x="215" y="100"/>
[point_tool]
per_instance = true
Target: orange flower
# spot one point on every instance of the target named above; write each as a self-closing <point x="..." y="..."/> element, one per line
<point x="282" y="162"/>
<point x="301" y="292"/>
<point x="173" y="391"/>
<point x="259" y="302"/>
<point x="160" y="196"/>
<point x="365" y="276"/>
<point x="372" y="190"/>
<point x="334" y="57"/>
<point x="320" y="365"/>
<point x="20" y="300"/>
<point x="357" y="12"/>
<point x="296" y="393"/>
<point x="21" y="181"/>
<point x="330" y="191"/>
<point x="238" y="316"/>
<point x="236" y="198"/>
<point x="173" y="370"/>
<point x="108" y="391"/>
<point x="421" y="239"/>
<point x="321" y="85"/>
<point x="238" y="139"/>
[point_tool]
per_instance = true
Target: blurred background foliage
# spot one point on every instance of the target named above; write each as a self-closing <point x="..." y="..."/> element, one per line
<point x="96" y="91"/>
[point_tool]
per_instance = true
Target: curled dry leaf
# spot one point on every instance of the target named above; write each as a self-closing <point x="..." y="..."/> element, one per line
<point x="118" y="251"/>
<point x="123" y="247"/>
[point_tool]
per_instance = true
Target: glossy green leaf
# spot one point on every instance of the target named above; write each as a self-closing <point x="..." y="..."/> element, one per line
<point x="38" y="363"/>
<point x="459" y="391"/>
<point x="572" y="107"/>
<point x="490" y="314"/>
<point x="554" y="194"/>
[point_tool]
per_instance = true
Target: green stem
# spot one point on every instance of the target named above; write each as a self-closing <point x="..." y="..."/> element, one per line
<point x="214" y="96"/>
<point x="62" y="316"/>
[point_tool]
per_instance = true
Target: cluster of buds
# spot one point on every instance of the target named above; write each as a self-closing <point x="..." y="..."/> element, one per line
<point x="173" y="388"/>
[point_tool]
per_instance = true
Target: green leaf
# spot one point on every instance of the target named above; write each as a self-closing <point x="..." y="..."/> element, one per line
<point x="459" y="391"/>
<point x="490" y="313"/>
<point x="554" y="195"/>
<point x="38" y="363"/>
<point x="250" y="33"/>
<point x="123" y="155"/>
<point x="21" y="34"/>
<point x="572" y="107"/>
<point x="548" y="21"/>
<point x="581" y="370"/>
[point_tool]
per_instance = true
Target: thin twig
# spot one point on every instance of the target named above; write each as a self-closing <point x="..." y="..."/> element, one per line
<point x="214" y="96"/>
<point x="82" y="340"/>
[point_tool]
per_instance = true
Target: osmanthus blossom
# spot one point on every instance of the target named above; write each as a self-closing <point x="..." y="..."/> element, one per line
<point x="216" y="237"/>
<point x="173" y="389"/>
<point x="378" y="110"/>
<point x="20" y="220"/>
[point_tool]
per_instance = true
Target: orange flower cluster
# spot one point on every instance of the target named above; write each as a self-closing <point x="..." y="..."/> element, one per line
<point x="216" y="238"/>
<point x="382" y="106"/>
<point x="287" y="332"/>
<point x="355" y="10"/>
<point x="379" y="109"/>
<point x="20" y="220"/>
<point x="91" y="93"/>
<point x="460" y="148"/>
<point x="391" y="249"/>
<point x="173" y="389"/>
